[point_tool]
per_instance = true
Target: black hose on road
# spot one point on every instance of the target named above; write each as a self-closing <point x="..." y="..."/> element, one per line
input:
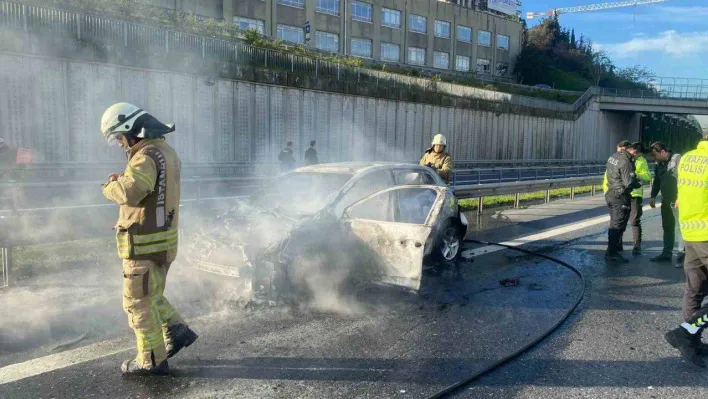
<point x="538" y="339"/>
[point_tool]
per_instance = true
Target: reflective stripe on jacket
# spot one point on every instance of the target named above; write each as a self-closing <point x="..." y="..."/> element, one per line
<point x="148" y="193"/>
<point x="693" y="194"/>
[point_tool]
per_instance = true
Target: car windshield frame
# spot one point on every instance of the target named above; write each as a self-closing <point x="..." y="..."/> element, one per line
<point x="258" y="199"/>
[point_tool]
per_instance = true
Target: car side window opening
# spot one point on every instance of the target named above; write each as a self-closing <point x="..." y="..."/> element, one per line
<point x="414" y="204"/>
<point x="403" y="205"/>
<point x="367" y="185"/>
<point x="412" y="177"/>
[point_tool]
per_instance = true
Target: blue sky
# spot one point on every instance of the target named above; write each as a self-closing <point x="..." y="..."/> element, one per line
<point x="669" y="38"/>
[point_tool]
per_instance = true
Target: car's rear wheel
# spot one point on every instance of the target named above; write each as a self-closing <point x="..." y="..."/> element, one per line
<point x="449" y="245"/>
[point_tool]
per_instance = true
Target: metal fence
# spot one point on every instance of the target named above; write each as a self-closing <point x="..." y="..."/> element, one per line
<point x="664" y="88"/>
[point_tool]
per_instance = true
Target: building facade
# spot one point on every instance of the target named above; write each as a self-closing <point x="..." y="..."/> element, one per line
<point x="450" y="35"/>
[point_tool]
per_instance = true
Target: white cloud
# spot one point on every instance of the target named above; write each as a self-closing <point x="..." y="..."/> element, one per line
<point x="650" y="13"/>
<point x="670" y="42"/>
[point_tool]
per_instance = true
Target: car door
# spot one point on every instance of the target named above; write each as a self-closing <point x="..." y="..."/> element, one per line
<point x="390" y="242"/>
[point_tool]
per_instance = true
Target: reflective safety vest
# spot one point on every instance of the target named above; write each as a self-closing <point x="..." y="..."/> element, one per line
<point x="693" y="194"/>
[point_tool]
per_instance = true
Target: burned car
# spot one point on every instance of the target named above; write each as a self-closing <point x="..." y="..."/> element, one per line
<point x="381" y="222"/>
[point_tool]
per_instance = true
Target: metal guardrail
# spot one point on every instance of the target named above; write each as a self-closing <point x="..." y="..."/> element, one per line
<point x="26" y="226"/>
<point x="503" y="175"/>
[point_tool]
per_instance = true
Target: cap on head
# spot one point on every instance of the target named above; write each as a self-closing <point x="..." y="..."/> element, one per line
<point x="439" y="139"/>
<point x="119" y="119"/>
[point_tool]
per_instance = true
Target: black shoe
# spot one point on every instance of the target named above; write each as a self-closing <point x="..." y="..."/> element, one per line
<point x="637" y="250"/>
<point x="687" y="344"/>
<point x="178" y="336"/>
<point x="617" y="258"/>
<point x="620" y="248"/>
<point x="661" y="258"/>
<point x="680" y="257"/>
<point x="131" y="367"/>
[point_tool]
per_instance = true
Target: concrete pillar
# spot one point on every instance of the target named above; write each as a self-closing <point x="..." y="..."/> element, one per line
<point x="310" y="6"/>
<point x="635" y="126"/>
<point x="228" y="10"/>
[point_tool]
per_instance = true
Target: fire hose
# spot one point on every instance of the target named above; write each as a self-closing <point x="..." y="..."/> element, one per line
<point x="467" y="380"/>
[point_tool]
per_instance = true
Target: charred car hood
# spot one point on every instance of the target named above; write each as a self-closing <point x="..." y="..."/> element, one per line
<point x="240" y="238"/>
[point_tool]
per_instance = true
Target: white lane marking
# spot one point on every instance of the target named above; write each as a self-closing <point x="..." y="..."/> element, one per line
<point x="58" y="361"/>
<point x="46" y="364"/>
<point x="567" y="228"/>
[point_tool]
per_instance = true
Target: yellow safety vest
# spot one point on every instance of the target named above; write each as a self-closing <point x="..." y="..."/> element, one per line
<point x="693" y="194"/>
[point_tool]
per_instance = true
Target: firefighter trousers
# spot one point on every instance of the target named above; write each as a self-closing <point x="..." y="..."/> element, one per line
<point x="149" y="312"/>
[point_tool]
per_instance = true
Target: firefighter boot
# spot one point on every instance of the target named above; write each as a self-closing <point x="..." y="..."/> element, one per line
<point x="178" y="336"/>
<point x="132" y="367"/>
<point x="687" y="344"/>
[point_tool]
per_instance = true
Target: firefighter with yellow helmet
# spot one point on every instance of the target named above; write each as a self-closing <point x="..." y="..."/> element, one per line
<point x="148" y="192"/>
<point x="437" y="157"/>
<point x="692" y="204"/>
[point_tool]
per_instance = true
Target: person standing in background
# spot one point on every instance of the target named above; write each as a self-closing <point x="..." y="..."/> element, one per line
<point x="665" y="182"/>
<point x="311" y="154"/>
<point x="286" y="158"/>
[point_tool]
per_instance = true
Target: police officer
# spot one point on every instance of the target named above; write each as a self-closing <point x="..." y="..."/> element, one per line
<point x="692" y="206"/>
<point x="621" y="180"/>
<point x="148" y="193"/>
<point x="438" y="158"/>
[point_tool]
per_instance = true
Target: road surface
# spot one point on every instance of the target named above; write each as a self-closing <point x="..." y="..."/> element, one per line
<point x="376" y="343"/>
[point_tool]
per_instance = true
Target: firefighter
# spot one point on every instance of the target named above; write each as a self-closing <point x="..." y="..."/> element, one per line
<point x="148" y="192"/>
<point x="437" y="158"/>
<point x="692" y="206"/>
<point x="621" y="180"/>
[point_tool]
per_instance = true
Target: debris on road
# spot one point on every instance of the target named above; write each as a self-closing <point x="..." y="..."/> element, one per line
<point x="510" y="282"/>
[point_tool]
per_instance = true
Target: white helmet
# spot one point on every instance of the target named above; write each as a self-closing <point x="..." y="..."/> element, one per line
<point x="118" y="119"/>
<point x="439" y="139"/>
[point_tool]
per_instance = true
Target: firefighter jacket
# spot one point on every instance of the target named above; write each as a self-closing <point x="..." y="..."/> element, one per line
<point x="621" y="177"/>
<point x="441" y="162"/>
<point x="665" y="178"/>
<point x="693" y="194"/>
<point x="148" y="192"/>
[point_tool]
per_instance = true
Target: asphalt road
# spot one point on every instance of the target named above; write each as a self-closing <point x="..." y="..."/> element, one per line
<point x="375" y="342"/>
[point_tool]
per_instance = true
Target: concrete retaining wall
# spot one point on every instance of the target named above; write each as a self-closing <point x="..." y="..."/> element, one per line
<point x="54" y="107"/>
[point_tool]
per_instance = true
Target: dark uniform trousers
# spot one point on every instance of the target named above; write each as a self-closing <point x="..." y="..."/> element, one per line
<point x="619" y="208"/>
<point x="696" y="270"/>
<point x="635" y="219"/>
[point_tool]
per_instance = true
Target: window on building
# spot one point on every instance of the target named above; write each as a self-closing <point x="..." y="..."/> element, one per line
<point x="361" y="47"/>
<point x="390" y="52"/>
<point x="442" y="29"/>
<point x="503" y="42"/>
<point x="363" y="12"/>
<point x="292" y="3"/>
<point x="441" y="60"/>
<point x="327" y="41"/>
<point x="464" y="34"/>
<point x="462" y="63"/>
<point x="248" y="23"/>
<point x="483" y="66"/>
<point x="292" y="34"/>
<point x="502" y="68"/>
<point x="390" y="18"/>
<point x="328" y="6"/>
<point x="484" y="38"/>
<point x="418" y="23"/>
<point x="416" y="56"/>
